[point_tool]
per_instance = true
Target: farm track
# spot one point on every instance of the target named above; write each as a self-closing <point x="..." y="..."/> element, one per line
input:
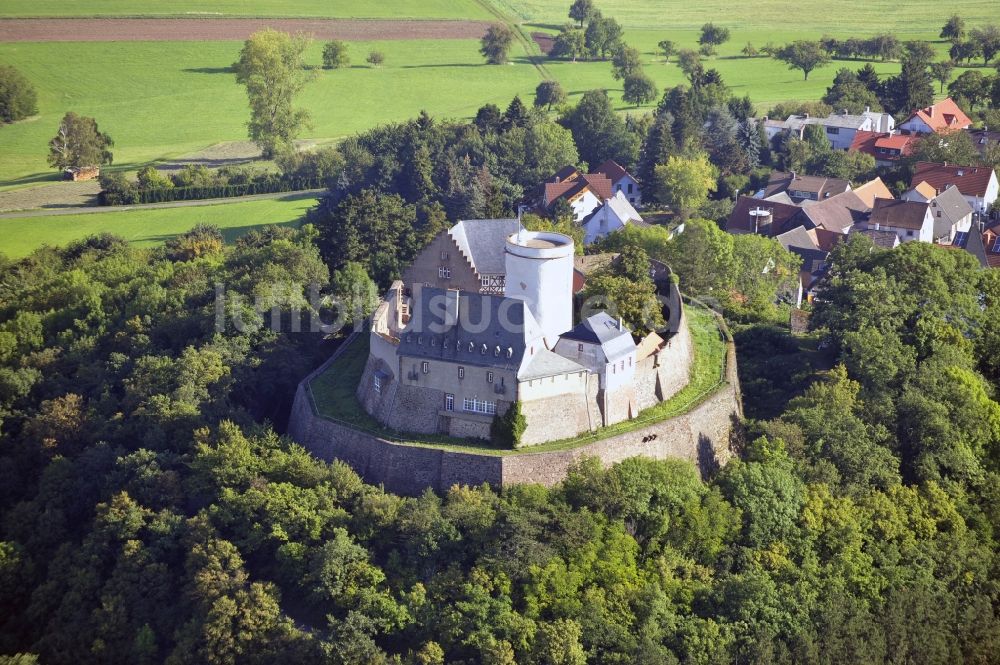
<point x="197" y="203"/>
<point x="214" y="29"/>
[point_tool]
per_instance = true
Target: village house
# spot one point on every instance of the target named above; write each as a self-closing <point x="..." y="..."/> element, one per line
<point x="800" y="188"/>
<point x="909" y="220"/>
<point x="943" y="116"/>
<point x="978" y="184"/>
<point x="621" y="181"/>
<point x="887" y="148"/>
<point x="583" y="192"/>
<point x="952" y="213"/>
<point x="984" y="139"/>
<point x="839" y="128"/>
<point x="616" y="213"/>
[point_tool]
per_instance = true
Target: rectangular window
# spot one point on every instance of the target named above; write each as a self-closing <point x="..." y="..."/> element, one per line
<point x="425" y="367"/>
<point x="833" y="130"/>
<point x="484" y="281"/>
<point x="579" y="348"/>
<point x="489" y="377"/>
<point x="444" y="272"/>
<point x="474" y="405"/>
<point x="449" y="402"/>
<point x="378" y="385"/>
<point x="461" y="372"/>
<point x="630" y="188"/>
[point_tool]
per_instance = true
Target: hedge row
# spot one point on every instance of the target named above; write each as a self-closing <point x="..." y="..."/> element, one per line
<point x="133" y="195"/>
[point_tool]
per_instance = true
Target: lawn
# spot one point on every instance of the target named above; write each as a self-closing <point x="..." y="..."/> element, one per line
<point x="164" y="99"/>
<point x="845" y="17"/>
<point x="427" y="9"/>
<point x="22" y="235"/>
<point x="334" y="394"/>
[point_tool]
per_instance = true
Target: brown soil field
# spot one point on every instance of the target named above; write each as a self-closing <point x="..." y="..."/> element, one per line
<point x="210" y="29"/>
<point x="545" y="42"/>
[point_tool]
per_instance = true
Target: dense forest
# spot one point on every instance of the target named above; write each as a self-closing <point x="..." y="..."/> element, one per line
<point x="151" y="511"/>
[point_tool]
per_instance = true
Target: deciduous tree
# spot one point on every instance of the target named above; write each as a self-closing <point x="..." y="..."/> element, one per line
<point x="495" y="44"/>
<point x="804" y="56"/>
<point x="335" y="55"/>
<point x="79" y="143"/>
<point x="18" y="98"/>
<point x="272" y="69"/>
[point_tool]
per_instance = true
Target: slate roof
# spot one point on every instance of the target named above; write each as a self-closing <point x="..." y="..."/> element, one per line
<point x="547" y="363"/>
<point x="880" y="238"/>
<point x="603" y="330"/>
<point x="948" y="208"/>
<point x="837" y="213"/>
<point x="944" y="115"/>
<point x="623" y="209"/>
<point x="970" y="180"/>
<point x="898" y="214"/>
<point x="974" y="245"/>
<point x="483" y="242"/>
<point x="435" y="333"/>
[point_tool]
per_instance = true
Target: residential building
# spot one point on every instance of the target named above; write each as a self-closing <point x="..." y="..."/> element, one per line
<point x="761" y="216"/>
<point x="621" y="181"/>
<point x="839" y="128"/>
<point x="984" y="139"/>
<point x="871" y="190"/>
<point x="584" y="192"/>
<point x="943" y="116"/>
<point x="836" y="214"/>
<point x="909" y="220"/>
<point x="616" y="213"/>
<point x="802" y="188"/>
<point x="887" y="148"/>
<point x="952" y="215"/>
<point x="978" y="184"/>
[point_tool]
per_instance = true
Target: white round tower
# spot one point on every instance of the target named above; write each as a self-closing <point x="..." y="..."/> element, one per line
<point x="539" y="267"/>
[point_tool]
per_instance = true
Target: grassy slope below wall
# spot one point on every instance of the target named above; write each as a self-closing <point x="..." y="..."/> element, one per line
<point x="334" y="393"/>
<point x="22" y="235"/>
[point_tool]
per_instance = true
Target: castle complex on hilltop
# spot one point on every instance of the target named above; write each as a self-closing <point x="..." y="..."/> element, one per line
<point x="484" y="318"/>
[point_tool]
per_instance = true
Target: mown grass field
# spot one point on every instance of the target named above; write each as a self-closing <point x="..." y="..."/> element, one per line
<point x="427" y="9"/>
<point x="164" y="99"/>
<point x="22" y="235"/>
<point x="762" y="16"/>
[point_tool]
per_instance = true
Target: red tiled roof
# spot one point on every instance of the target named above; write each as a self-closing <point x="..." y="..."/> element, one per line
<point x="989" y="242"/>
<point x="970" y="180"/>
<point x="600" y="184"/>
<point x="870" y="142"/>
<point x="570" y="189"/>
<point x="612" y="170"/>
<point x="565" y="173"/>
<point x="943" y="115"/>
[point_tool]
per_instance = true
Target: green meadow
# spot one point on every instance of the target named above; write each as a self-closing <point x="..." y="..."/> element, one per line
<point x="165" y="99"/>
<point x="22" y="235"/>
<point x="845" y="17"/>
<point x="426" y="9"/>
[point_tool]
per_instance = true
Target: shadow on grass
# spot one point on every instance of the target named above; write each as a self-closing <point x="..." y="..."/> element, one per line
<point x="33" y="179"/>
<point x="230" y="235"/>
<point x="209" y="70"/>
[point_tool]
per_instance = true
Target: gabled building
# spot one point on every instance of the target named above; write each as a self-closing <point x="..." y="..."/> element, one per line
<point x="839" y="128"/>
<point x="584" y="192"/>
<point x="984" y="139"/>
<point x="909" y="220"/>
<point x="952" y="215"/>
<point x="763" y="217"/>
<point x="943" y="116"/>
<point x="978" y="184"/>
<point x="621" y="181"/>
<point x="616" y="213"/>
<point x="468" y="256"/>
<point x="871" y="190"/>
<point x="887" y="148"/>
<point x="836" y="214"/>
<point x="802" y="188"/>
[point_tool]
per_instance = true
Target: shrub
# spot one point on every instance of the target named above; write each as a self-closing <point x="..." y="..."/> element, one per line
<point x="335" y="55"/>
<point x="506" y="430"/>
<point x="376" y="58"/>
<point x="18" y="99"/>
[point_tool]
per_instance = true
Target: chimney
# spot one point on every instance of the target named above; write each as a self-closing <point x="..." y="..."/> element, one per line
<point x="806" y="116"/>
<point x="868" y="109"/>
<point x="621" y="325"/>
<point x="932" y="111"/>
<point x="843" y="112"/>
<point x="793" y="174"/>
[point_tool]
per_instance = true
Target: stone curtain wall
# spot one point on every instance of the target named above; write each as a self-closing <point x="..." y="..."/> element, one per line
<point x="701" y="436"/>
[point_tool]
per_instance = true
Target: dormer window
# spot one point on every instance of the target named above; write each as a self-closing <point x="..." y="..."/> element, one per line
<point x="472" y="347"/>
<point x="483" y="350"/>
<point x="510" y="352"/>
<point x="496" y="352"/>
